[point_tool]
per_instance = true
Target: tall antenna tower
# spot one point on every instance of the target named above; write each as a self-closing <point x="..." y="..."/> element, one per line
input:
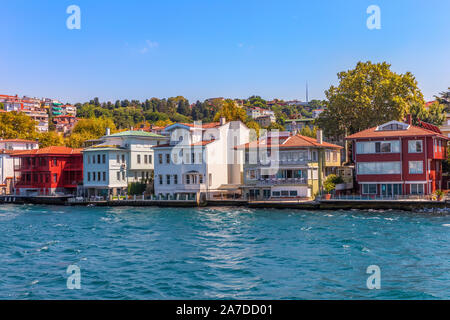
<point x="307" y="98"/>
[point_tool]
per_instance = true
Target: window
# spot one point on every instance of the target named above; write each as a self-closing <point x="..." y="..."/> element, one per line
<point x="104" y="158"/>
<point x="118" y="158"/>
<point x="104" y="176"/>
<point x="98" y="159"/>
<point x="369" y="189"/>
<point x="251" y="174"/>
<point x="293" y="193"/>
<point x="168" y="178"/>
<point x="168" y="158"/>
<point x="328" y="155"/>
<point x="378" y="147"/>
<point x="284" y="193"/>
<point x="416" y="167"/>
<point x="175" y="179"/>
<point x="200" y="179"/>
<point x="118" y="175"/>
<point x="335" y="156"/>
<point x="416" y="189"/>
<point x="188" y="179"/>
<point x="160" y="157"/>
<point x="93" y="159"/>
<point x="276" y="194"/>
<point x="123" y="175"/>
<point x="99" y="175"/>
<point x="415" y="146"/>
<point x="89" y="176"/>
<point x="192" y="157"/>
<point x="55" y="177"/>
<point x="314" y="155"/>
<point x="145" y="159"/>
<point x="379" y="168"/>
<point x="150" y="158"/>
<point x="160" y="179"/>
<point x="139" y="159"/>
<point x="123" y="158"/>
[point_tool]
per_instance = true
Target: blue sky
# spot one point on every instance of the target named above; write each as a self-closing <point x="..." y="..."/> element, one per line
<point x="200" y="49"/>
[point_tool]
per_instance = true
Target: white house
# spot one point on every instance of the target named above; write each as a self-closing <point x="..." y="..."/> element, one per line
<point x="256" y="113"/>
<point x="8" y="147"/>
<point x="121" y="159"/>
<point x="200" y="159"/>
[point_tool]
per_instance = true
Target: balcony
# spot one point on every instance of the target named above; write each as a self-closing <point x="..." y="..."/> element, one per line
<point x="280" y="181"/>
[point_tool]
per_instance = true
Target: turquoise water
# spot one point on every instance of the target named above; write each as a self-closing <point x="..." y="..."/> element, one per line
<point x="221" y="253"/>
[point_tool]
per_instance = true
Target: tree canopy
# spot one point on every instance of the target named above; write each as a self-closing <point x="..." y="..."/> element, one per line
<point x="15" y="125"/>
<point x="368" y="95"/>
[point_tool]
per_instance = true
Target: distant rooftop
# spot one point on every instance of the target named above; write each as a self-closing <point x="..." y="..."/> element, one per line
<point x="135" y="134"/>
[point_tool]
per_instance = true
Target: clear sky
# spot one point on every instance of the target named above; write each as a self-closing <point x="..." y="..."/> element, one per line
<point x="214" y="48"/>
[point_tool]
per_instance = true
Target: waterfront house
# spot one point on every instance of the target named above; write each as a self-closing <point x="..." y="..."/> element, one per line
<point x="7" y="148"/>
<point x="398" y="158"/>
<point x="48" y="171"/>
<point x="122" y="158"/>
<point x="286" y="167"/>
<point x="200" y="159"/>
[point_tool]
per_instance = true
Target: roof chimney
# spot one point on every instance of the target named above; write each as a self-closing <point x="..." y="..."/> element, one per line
<point x="223" y="120"/>
<point x="409" y="119"/>
<point x="108" y="131"/>
<point x="320" y="136"/>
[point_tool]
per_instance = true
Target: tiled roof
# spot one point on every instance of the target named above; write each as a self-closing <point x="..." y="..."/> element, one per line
<point x="410" y="132"/>
<point x="204" y="125"/>
<point x="297" y="141"/>
<point x="54" y="150"/>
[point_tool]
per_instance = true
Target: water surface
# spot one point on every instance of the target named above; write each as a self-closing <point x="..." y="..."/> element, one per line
<point x="221" y="253"/>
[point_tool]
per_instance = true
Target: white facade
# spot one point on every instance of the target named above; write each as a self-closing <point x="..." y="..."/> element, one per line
<point x="7" y="163"/>
<point x="256" y="113"/>
<point x="121" y="159"/>
<point x="199" y="159"/>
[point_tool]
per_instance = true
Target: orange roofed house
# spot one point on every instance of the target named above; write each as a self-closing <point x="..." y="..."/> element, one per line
<point x="285" y="166"/>
<point x="48" y="171"/>
<point x="398" y="158"/>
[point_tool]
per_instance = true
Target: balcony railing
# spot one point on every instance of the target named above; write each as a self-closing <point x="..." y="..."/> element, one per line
<point x="281" y="181"/>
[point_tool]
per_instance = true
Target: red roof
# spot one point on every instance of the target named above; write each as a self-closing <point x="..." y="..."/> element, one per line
<point x="55" y="150"/>
<point x="293" y="142"/>
<point x="412" y="131"/>
<point x="204" y="125"/>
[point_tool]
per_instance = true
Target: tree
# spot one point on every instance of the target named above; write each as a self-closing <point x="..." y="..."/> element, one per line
<point x="231" y="112"/>
<point x="254" y="130"/>
<point x="15" y="125"/>
<point x="307" y="132"/>
<point x="51" y="138"/>
<point x="367" y="96"/>
<point x="444" y="99"/>
<point x="330" y="183"/>
<point x="88" y="129"/>
<point x="434" y="114"/>
<point x="275" y="126"/>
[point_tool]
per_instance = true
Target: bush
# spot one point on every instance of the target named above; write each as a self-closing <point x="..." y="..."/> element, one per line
<point x="331" y="181"/>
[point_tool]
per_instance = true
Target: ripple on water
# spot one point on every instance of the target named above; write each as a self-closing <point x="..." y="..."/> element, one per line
<point x="154" y="253"/>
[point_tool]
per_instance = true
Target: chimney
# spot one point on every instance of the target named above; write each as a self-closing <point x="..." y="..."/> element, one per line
<point x="223" y="121"/>
<point x="409" y="119"/>
<point x="108" y="131"/>
<point x="320" y="136"/>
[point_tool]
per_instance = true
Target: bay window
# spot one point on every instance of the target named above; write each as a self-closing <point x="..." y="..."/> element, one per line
<point x="379" y="168"/>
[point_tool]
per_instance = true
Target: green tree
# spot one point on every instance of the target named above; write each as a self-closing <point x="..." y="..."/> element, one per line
<point x="444" y="99"/>
<point x="51" y="138"/>
<point x="254" y="130"/>
<point x="231" y="112"/>
<point x="367" y="96"/>
<point x="434" y="114"/>
<point x="15" y="125"/>
<point x="88" y="129"/>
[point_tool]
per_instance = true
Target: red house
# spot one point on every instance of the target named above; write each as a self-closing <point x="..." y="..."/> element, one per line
<point x="48" y="171"/>
<point x="399" y="159"/>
